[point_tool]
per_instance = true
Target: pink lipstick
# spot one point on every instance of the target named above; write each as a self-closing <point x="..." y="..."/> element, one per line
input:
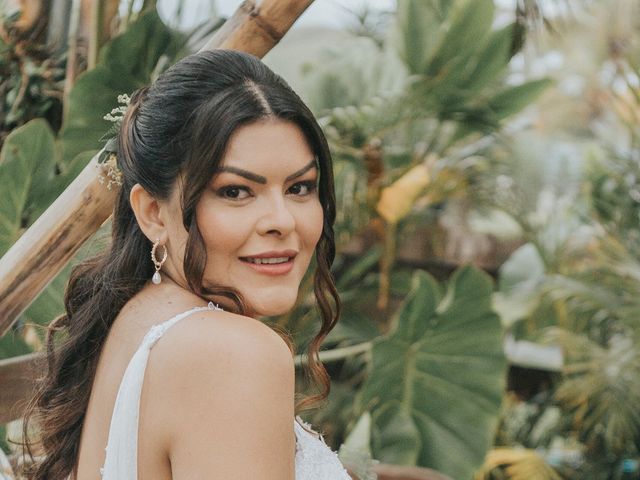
<point x="271" y="263"/>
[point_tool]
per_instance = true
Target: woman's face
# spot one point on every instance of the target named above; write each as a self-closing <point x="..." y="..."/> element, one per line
<point x="260" y="216"/>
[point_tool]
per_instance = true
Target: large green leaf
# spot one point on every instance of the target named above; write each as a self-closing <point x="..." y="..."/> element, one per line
<point x="492" y="61"/>
<point x="26" y="165"/>
<point x="513" y="99"/>
<point x="436" y="381"/>
<point x="487" y="115"/>
<point x="521" y="277"/>
<point x="523" y="271"/>
<point x="419" y="26"/>
<point x="12" y="344"/>
<point x="127" y="62"/>
<point x="43" y="197"/>
<point x="470" y="24"/>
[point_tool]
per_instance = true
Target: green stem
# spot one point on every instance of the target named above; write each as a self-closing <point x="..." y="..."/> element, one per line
<point x="387" y="261"/>
<point x="72" y="54"/>
<point x="127" y="18"/>
<point x="337" y="353"/>
<point x="95" y="39"/>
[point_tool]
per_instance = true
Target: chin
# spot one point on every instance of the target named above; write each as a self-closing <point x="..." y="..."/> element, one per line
<point x="271" y="304"/>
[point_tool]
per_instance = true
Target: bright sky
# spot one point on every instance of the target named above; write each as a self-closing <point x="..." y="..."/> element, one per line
<point x="328" y="13"/>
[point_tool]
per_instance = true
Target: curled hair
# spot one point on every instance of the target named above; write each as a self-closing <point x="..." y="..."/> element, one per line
<point x="176" y="128"/>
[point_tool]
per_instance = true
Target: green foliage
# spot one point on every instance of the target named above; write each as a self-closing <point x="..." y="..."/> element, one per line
<point x="421" y="23"/>
<point x="438" y="83"/>
<point x="33" y="175"/>
<point x="470" y="23"/>
<point x="601" y="391"/>
<point x="511" y="100"/>
<point x="4" y="445"/>
<point x="435" y="385"/>
<point x="127" y="62"/>
<point x="492" y="61"/>
<point x="355" y="452"/>
<point x="615" y="193"/>
<point x="35" y="166"/>
<point x="458" y="65"/>
<point x="26" y="166"/>
<point x="31" y="81"/>
<point x="454" y="62"/>
<point x="519" y="285"/>
<point x="582" y="300"/>
<point x="12" y="345"/>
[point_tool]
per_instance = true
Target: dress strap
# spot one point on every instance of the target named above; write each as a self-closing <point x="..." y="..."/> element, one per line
<point x="121" y="462"/>
<point x="157" y="331"/>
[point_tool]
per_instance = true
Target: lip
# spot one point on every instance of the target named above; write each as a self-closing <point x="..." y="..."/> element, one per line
<point x="272" y="269"/>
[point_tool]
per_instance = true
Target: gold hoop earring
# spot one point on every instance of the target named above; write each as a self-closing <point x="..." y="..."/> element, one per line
<point x="158" y="264"/>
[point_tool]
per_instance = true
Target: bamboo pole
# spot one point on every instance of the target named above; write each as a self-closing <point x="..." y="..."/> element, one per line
<point x="256" y="28"/>
<point x="45" y="248"/>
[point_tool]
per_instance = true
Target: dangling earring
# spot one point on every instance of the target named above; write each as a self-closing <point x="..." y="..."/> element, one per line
<point x="158" y="264"/>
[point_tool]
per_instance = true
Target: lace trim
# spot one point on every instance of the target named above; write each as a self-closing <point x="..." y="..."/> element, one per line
<point x="314" y="458"/>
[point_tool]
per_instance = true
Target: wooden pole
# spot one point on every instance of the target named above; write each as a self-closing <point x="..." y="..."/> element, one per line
<point x="45" y="248"/>
<point x="256" y="27"/>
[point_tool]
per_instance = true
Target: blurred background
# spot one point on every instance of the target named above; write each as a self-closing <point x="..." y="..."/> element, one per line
<point x="487" y="160"/>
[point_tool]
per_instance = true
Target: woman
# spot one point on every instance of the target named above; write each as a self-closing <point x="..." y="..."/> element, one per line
<point x="227" y="194"/>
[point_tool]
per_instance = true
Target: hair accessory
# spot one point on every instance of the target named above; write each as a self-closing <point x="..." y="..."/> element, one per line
<point x="158" y="264"/>
<point x="110" y="175"/>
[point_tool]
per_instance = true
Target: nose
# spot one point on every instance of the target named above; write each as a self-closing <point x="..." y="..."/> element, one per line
<point x="277" y="219"/>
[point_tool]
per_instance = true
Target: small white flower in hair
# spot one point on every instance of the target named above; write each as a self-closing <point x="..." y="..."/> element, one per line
<point x="110" y="173"/>
<point x="116" y="114"/>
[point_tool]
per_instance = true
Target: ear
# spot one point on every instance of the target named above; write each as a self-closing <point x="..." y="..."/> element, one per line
<point x="148" y="213"/>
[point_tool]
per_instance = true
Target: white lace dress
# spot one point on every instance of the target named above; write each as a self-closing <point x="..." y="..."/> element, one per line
<point x="314" y="460"/>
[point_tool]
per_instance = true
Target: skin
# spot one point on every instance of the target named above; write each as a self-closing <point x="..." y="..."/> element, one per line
<point x="240" y="216"/>
<point x="218" y="371"/>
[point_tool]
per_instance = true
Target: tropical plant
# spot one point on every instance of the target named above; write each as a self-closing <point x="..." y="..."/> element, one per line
<point x="426" y="102"/>
<point x="436" y="378"/>
<point x="423" y="360"/>
<point x="577" y="293"/>
<point x="36" y="165"/>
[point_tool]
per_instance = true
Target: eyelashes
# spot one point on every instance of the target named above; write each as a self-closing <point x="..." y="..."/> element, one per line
<point x="309" y="185"/>
<point x="233" y="192"/>
<point x="240" y="192"/>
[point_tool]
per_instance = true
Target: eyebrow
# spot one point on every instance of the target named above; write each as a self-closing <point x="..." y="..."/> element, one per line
<point x="254" y="177"/>
<point x="312" y="164"/>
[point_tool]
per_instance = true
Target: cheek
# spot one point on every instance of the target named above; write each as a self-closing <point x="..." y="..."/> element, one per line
<point x="222" y="231"/>
<point x="312" y="225"/>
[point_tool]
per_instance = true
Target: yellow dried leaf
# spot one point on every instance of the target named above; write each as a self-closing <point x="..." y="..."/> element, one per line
<point x="519" y="464"/>
<point x="397" y="199"/>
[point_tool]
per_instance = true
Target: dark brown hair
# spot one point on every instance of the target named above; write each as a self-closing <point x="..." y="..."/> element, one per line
<point x="179" y="126"/>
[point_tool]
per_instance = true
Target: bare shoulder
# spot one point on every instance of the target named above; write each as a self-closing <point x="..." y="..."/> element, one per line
<point x="218" y="345"/>
<point x="227" y="331"/>
<point x="226" y="386"/>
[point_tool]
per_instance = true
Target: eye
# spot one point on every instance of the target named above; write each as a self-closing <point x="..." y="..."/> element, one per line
<point x="303" y="188"/>
<point x="234" y="192"/>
